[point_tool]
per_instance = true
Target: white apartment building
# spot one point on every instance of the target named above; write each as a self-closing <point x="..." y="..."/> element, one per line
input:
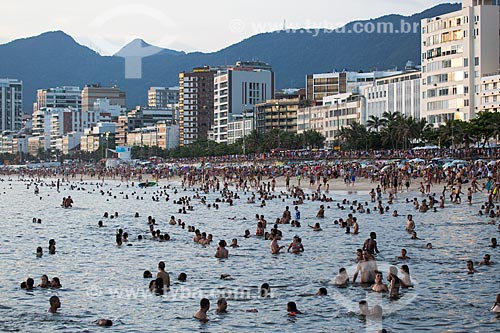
<point x="239" y="127"/>
<point x="49" y="124"/>
<point x="237" y="90"/>
<point x="337" y="111"/>
<point x="397" y="93"/>
<point x="11" y="104"/>
<point x="490" y="93"/>
<point x="458" y="48"/>
<point x="321" y="85"/>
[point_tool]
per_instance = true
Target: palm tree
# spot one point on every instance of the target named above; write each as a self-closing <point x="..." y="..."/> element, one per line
<point x="375" y="122"/>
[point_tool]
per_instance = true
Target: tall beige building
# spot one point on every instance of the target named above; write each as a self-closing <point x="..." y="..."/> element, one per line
<point x="91" y="93"/>
<point x="458" y="49"/>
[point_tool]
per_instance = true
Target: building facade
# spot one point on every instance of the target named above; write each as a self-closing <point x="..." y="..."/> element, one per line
<point x="458" y="48"/>
<point x="490" y="93"/>
<point x="237" y="90"/>
<point x="162" y="97"/>
<point x="328" y="119"/>
<point x="91" y="93"/>
<point x="59" y="97"/>
<point x="278" y="114"/>
<point x="196" y="104"/>
<point x="322" y="85"/>
<point x="397" y="93"/>
<point x="11" y="104"/>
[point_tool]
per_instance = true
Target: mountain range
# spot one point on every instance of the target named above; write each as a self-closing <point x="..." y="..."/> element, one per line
<point x="56" y="59"/>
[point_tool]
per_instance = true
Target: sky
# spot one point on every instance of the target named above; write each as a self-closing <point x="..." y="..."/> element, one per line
<point x="206" y="26"/>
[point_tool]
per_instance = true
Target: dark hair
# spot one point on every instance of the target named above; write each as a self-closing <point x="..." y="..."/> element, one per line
<point x="292" y="307"/>
<point x="182" y="277"/>
<point x="342" y="270"/>
<point x="159" y="285"/>
<point x="53" y="299"/>
<point x="30" y="283"/>
<point x="265" y="289"/>
<point x="323" y="291"/>
<point x="204" y="303"/>
<point x="147" y="275"/>
<point x="161" y="265"/>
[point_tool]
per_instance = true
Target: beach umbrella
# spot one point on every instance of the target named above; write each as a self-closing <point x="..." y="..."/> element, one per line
<point x="387" y="167"/>
<point x="417" y="160"/>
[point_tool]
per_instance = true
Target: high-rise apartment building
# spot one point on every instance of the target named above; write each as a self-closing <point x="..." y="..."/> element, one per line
<point x="162" y="97"/>
<point x="397" y="93"/>
<point x="11" y="104"/>
<point x="322" y="85"/>
<point x="458" y="48"/>
<point x="91" y="93"/>
<point x="237" y="90"/>
<point x="196" y="104"/>
<point x="59" y="97"/>
<point x="490" y="93"/>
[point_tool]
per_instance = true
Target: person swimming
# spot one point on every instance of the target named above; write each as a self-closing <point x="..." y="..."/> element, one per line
<point x="291" y="308"/>
<point x="201" y="314"/>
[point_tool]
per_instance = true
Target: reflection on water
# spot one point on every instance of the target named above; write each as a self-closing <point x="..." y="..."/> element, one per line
<point x="101" y="280"/>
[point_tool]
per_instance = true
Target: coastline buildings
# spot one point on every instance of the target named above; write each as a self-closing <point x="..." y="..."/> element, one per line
<point x="396" y="93"/>
<point x="458" y="49"/>
<point x="162" y="97"/>
<point x="11" y="104"/>
<point x="279" y="113"/>
<point x="59" y="97"/>
<point x="91" y="93"/>
<point x="196" y="104"/>
<point x="337" y="111"/>
<point x="322" y="85"/>
<point x="490" y="93"/>
<point x="237" y="89"/>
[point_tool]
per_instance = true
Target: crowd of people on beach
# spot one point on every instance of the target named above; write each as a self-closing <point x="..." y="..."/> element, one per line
<point x="472" y="180"/>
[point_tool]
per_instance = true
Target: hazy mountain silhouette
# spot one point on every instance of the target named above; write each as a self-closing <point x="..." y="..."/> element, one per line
<point x="55" y="59"/>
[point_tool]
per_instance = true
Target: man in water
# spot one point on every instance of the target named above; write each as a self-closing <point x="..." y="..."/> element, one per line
<point x="367" y="267"/>
<point x="221" y="305"/>
<point x="370" y="244"/>
<point x="55" y="303"/>
<point x="470" y="267"/>
<point x="222" y="252"/>
<point x="201" y="314"/>
<point x="163" y="275"/>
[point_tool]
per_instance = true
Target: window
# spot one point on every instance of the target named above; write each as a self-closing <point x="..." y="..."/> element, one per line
<point x="466" y="62"/>
<point x="476" y="61"/>
<point x="466" y="75"/>
<point x="466" y="89"/>
<point x="466" y="102"/>
<point x="495" y="85"/>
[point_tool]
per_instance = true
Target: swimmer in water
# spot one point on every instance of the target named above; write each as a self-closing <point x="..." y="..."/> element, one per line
<point x="470" y="267"/>
<point x="341" y="279"/>
<point x="163" y="274"/>
<point x="55" y="304"/>
<point x="403" y="255"/>
<point x="379" y="286"/>
<point x="291" y="308"/>
<point x="104" y="322"/>
<point x="222" y="252"/>
<point x="201" y="314"/>
<point x="486" y="260"/>
<point x="496" y="307"/>
<point x="221" y="305"/>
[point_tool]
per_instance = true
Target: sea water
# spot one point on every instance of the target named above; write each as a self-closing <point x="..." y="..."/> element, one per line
<point x="101" y="280"/>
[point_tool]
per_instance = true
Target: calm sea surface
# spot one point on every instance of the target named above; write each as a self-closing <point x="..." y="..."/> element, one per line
<point x="101" y="280"/>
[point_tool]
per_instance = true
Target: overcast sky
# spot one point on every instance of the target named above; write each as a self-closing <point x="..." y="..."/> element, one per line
<point x="188" y="25"/>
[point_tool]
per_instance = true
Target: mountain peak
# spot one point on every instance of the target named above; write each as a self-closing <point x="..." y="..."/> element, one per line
<point x="139" y="47"/>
